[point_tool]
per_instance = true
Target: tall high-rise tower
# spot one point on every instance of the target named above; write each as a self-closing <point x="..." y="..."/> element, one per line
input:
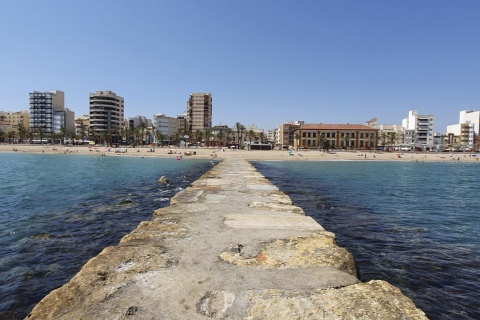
<point x="47" y="111"/>
<point x="199" y="112"/>
<point x="106" y="111"/>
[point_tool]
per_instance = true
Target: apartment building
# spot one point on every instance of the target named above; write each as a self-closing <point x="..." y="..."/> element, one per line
<point x="48" y="112"/>
<point x="285" y="132"/>
<point x="106" y="111"/>
<point x="166" y="126"/>
<point x="82" y="125"/>
<point x="9" y="121"/>
<point x="467" y="129"/>
<point x="335" y="136"/>
<point x="418" y="129"/>
<point x="199" y="112"/>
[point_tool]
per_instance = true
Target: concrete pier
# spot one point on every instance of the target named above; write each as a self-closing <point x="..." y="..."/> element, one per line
<point x="230" y="246"/>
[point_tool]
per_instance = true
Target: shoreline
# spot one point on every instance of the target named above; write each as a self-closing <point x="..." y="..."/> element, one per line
<point x="249" y="155"/>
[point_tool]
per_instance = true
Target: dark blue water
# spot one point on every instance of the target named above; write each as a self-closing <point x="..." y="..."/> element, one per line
<point x="414" y="225"/>
<point x="58" y="211"/>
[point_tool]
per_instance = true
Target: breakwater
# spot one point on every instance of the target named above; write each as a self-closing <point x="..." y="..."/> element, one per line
<point x="230" y="246"/>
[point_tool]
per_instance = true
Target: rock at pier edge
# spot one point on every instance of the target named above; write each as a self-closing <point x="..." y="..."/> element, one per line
<point x="229" y="246"/>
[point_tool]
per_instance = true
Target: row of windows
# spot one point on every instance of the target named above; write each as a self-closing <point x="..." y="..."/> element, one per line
<point x="333" y="134"/>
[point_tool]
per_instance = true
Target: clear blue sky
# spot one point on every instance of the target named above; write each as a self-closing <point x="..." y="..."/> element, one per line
<point x="265" y="62"/>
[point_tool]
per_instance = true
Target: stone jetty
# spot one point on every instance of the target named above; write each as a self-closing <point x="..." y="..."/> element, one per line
<point x="231" y="246"/>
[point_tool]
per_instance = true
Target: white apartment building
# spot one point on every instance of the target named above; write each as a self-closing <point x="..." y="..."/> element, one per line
<point x="467" y="128"/>
<point x="418" y="129"/>
<point x="167" y="126"/>
<point x="199" y="112"/>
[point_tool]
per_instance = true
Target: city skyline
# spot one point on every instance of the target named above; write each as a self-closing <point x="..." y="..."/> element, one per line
<point x="264" y="63"/>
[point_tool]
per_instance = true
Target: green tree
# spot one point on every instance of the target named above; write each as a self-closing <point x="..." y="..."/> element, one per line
<point x="346" y="139"/>
<point x="392" y="138"/>
<point x="143" y="127"/>
<point x="250" y="135"/>
<point x="208" y="135"/>
<point x="160" y="137"/>
<point x="2" y="135"/>
<point x="73" y="135"/>
<point x="321" y="140"/>
<point x="372" y="139"/>
<point x="22" y="132"/>
<point x="63" y="133"/>
<point x="41" y="133"/>
<point x="219" y="136"/>
<point x="198" y="136"/>
<point x="240" y="128"/>
<point x="11" y="136"/>
<point x="228" y="136"/>
<point x="31" y="134"/>
<point x="296" y="137"/>
<point x="383" y="138"/>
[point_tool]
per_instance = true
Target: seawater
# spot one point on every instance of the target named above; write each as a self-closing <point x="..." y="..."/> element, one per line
<point x="59" y="211"/>
<point x="415" y="225"/>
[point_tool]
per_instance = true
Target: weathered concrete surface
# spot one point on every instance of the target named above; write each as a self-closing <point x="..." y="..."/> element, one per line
<point x="230" y="246"/>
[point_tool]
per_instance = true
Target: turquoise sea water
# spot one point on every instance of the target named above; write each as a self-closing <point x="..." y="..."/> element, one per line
<point x="58" y="211"/>
<point x="415" y="225"/>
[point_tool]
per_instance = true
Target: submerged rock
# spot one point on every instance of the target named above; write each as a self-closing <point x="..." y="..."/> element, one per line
<point x="163" y="180"/>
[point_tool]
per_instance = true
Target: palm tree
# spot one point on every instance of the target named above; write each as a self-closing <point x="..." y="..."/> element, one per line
<point x="92" y="135"/>
<point x="296" y="137"/>
<point x="41" y="133"/>
<point x="52" y="136"/>
<point x="383" y="138"/>
<point x="2" y="135"/>
<point x="346" y="139"/>
<point x="240" y="129"/>
<point x="11" y="136"/>
<point x="392" y="137"/>
<point x="160" y="136"/>
<point x="31" y="134"/>
<point x="83" y="133"/>
<point x="228" y="136"/>
<point x="251" y="135"/>
<point x="73" y="135"/>
<point x="138" y="135"/>
<point x="63" y="132"/>
<point x="219" y="137"/>
<point x="198" y="136"/>
<point x="143" y="126"/>
<point x="321" y="140"/>
<point x="114" y="132"/>
<point x="208" y="136"/>
<point x="372" y="139"/>
<point x="21" y="132"/>
<point x="261" y="135"/>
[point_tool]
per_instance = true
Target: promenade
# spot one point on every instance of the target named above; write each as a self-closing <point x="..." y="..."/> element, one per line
<point x="230" y="246"/>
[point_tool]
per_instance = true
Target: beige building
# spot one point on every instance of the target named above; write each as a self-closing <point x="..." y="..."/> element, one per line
<point x="9" y="121"/>
<point x="81" y="127"/>
<point x="199" y="112"/>
<point x="335" y="136"/>
<point x="284" y="137"/>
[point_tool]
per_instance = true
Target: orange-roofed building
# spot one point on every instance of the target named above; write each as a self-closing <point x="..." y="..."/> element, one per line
<point x="335" y="136"/>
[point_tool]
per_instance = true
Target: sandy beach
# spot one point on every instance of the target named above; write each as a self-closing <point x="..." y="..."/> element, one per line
<point x="219" y="153"/>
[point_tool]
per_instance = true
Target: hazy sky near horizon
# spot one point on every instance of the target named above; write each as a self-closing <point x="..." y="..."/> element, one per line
<point x="265" y="62"/>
